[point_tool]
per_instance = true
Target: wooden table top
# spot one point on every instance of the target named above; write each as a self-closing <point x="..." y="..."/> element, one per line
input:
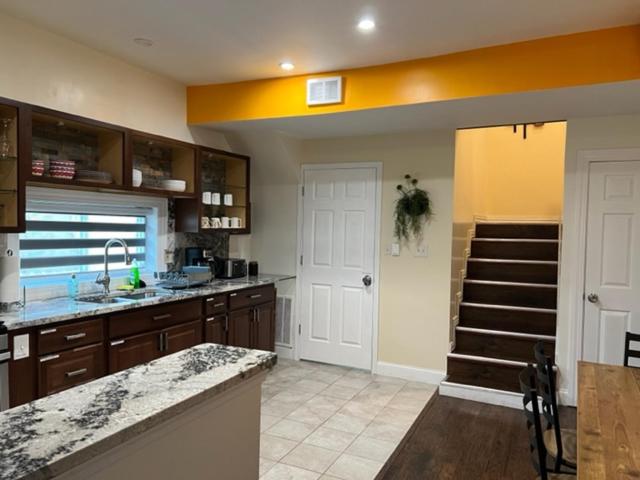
<point x="608" y="422"/>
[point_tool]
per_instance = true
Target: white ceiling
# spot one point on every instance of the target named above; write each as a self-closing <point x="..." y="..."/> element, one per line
<point x="211" y="41"/>
<point x="559" y="104"/>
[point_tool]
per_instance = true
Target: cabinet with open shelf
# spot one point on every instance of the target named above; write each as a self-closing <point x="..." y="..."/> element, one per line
<point x="11" y="195"/>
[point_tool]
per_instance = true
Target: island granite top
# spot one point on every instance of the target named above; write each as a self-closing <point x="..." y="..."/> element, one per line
<point x="45" y="312"/>
<point x="47" y="437"/>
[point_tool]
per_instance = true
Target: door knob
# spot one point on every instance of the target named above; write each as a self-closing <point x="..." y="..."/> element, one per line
<point x="593" y="298"/>
<point x="366" y="280"/>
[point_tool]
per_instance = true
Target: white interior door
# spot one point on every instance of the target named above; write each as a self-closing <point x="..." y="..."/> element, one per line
<point x="612" y="276"/>
<point x="338" y="248"/>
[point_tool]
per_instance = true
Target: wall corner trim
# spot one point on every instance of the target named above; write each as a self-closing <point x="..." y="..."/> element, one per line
<point x="413" y="374"/>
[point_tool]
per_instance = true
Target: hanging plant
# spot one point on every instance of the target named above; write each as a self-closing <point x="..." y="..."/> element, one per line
<point x="413" y="209"/>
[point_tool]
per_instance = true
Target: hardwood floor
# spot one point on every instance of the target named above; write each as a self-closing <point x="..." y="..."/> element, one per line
<point x="462" y="440"/>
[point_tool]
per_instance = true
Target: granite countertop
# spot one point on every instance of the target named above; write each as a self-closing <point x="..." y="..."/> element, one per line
<point x="60" y="309"/>
<point x="49" y="436"/>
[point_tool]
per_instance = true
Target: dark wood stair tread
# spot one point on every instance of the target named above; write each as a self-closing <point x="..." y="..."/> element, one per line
<point x="508" y="318"/>
<point x="514" y="294"/>
<point x="518" y="230"/>
<point x="483" y="373"/>
<point x="513" y="249"/>
<point x="528" y="271"/>
<point x="500" y="345"/>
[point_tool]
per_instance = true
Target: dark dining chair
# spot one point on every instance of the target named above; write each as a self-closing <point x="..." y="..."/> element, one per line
<point x="561" y="443"/>
<point x="628" y="352"/>
<point x="531" y="408"/>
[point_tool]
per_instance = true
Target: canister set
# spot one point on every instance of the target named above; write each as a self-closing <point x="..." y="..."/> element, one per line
<point x="221" y="222"/>
<point x="213" y="198"/>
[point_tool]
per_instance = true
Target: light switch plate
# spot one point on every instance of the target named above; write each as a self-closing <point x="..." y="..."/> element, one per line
<point x="421" y="250"/>
<point x="21" y="346"/>
<point x="168" y="256"/>
<point x="395" y="249"/>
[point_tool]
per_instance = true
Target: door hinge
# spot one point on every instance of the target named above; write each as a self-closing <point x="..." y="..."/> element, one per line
<point x="299" y="329"/>
<point x="301" y="260"/>
<point x="303" y="190"/>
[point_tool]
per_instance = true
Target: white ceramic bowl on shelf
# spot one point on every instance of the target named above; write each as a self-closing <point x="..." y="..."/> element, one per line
<point x="136" y="177"/>
<point x="174" y="185"/>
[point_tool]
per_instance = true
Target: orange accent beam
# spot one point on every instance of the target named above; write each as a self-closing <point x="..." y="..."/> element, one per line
<point x="600" y="56"/>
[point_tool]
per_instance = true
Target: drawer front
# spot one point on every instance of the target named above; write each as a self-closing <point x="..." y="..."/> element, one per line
<point x="215" y="304"/>
<point x="251" y="296"/>
<point x="153" y="318"/>
<point x="67" y="369"/>
<point x="56" y="339"/>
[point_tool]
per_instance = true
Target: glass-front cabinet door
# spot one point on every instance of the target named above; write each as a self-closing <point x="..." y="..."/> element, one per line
<point x="10" y="194"/>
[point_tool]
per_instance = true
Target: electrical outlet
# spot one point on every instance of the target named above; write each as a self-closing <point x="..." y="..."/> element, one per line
<point x="421" y="250"/>
<point x="168" y="256"/>
<point x="21" y="346"/>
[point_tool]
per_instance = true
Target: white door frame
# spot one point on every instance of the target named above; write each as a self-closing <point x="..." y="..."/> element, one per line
<point x="574" y="285"/>
<point x="376" y="248"/>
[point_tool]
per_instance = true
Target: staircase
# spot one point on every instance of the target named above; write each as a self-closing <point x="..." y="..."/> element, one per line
<point x="508" y="304"/>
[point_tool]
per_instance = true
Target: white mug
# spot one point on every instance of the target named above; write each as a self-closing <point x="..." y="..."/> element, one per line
<point x="206" y="198"/>
<point x="215" y="198"/>
<point x="225" y="222"/>
<point x="228" y="199"/>
<point x="235" y="222"/>
<point x="204" y="222"/>
<point x="215" y="222"/>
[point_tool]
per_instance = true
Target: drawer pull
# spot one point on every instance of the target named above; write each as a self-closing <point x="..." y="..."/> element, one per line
<point x="117" y="342"/>
<point x="75" y="336"/>
<point x="49" y="357"/>
<point x="164" y="316"/>
<point x="212" y="299"/>
<point x="218" y="305"/>
<point x="233" y="294"/>
<point x="211" y="319"/>
<point x="257" y="295"/>
<point x="48" y="331"/>
<point x="76" y="373"/>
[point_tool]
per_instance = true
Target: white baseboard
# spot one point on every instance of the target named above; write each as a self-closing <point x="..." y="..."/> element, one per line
<point x="284" y="352"/>
<point x="413" y="374"/>
<point x="481" y="394"/>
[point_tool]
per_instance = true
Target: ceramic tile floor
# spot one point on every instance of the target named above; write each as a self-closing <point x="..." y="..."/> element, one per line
<point x="322" y="422"/>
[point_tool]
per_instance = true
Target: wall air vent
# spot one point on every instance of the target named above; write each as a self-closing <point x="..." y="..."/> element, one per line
<point x="324" y="90"/>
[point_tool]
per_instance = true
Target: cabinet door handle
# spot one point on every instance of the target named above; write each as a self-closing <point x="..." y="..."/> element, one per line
<point x="257" y="316"/>
<point x="164" y="316"/>
<point x="49" y="357"/>
<point x="161" y="342"/>
<point x="75" y="336"/>
<point x="218" y="305"/>
<point x="166" y="341"/>
<point x="48" y="331"/>
<point x="117" y="342"/>
<point x="76" y="373"/>
<point x="211" y="319"/>
<point x="257" y="295"/>
<point x="226" y="323"/>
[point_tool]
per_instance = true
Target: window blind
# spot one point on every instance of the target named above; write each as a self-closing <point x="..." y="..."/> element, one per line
<point x="63" y="243"/>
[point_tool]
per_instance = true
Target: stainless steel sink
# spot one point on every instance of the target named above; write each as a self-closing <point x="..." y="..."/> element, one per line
<point x="101" y="299"/>
<point x="141" y="295"/>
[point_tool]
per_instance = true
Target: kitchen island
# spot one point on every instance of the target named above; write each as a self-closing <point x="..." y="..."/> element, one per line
<point x="193" y="414"/>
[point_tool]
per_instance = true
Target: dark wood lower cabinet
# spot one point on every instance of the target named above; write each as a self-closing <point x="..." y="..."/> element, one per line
<point x="240" y="328"/>
<point x="253" y="327"/>
<point x="216" y="329"/>
<point x="264" y="327"/>
<point x="181" y="337"/>
<point x="67" y="369"/>
<point x="131" y="351"/>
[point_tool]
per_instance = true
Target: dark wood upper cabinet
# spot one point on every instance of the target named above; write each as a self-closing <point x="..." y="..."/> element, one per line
<point x="224" y="193"/>
<point x="14" y="119"/>
<point x="40" y="146"/>
<point x="162" y="161"/>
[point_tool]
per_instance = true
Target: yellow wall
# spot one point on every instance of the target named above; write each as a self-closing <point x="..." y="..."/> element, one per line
<point x="601" y="56"/>
<point x="499" y="175"/>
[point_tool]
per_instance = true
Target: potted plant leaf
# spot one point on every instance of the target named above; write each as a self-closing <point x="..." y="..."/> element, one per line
<point x="413" y="210"/>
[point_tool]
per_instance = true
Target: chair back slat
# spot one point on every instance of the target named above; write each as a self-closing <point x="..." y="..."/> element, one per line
<point x="628" y="351"/>
<point x="531" y="409"/>
<point x="548" y="394"/>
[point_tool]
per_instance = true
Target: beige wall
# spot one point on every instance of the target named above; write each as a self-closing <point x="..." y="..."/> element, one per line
<point x="414" y="293"/>
<point x="582" y="134"/>
<point x="45" y="69"/>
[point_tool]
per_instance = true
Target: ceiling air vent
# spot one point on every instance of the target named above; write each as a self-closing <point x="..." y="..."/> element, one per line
<point x="325" y="90"/>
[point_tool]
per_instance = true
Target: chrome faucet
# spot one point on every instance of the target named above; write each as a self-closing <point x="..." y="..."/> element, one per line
<point x="103" y="277"/>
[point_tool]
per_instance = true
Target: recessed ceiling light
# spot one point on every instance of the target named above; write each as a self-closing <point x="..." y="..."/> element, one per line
<point x="366" y="25"/>
<point x="144" y="42"/>
<point x="288" y="66"/>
